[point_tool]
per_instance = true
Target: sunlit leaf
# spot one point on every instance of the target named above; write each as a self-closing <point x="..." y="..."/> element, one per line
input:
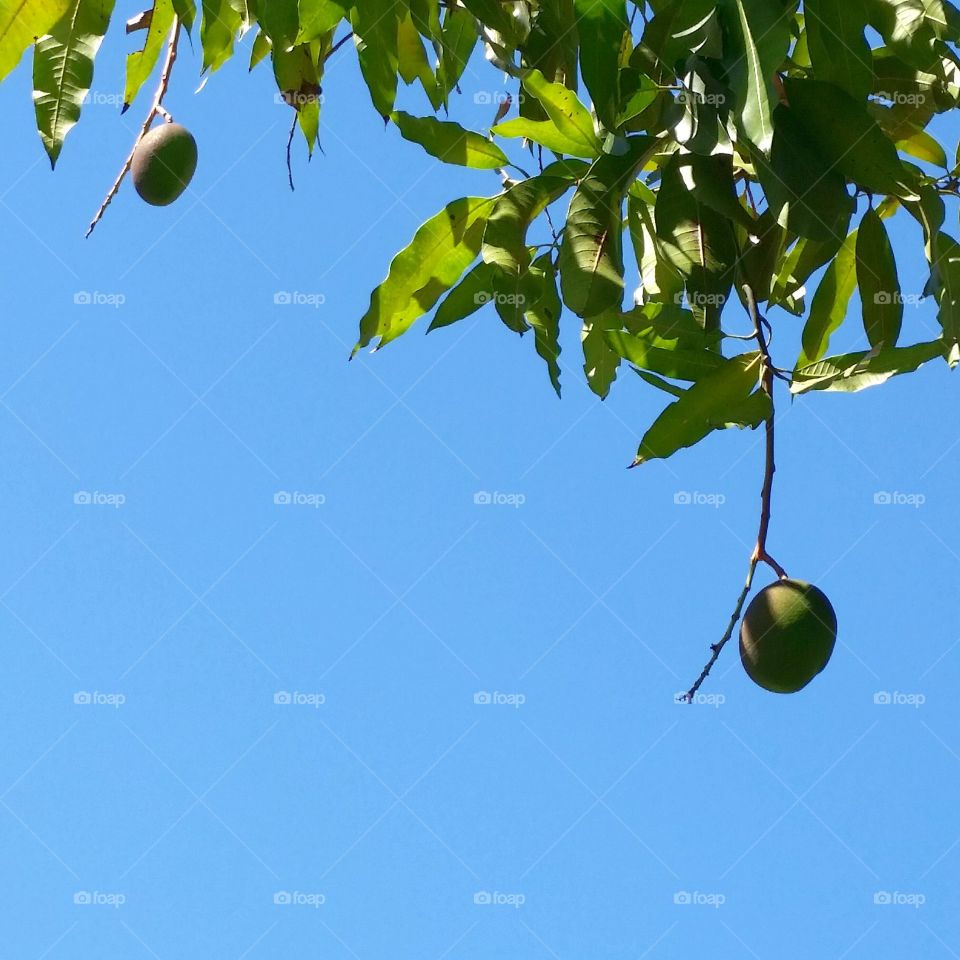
<point x="63" y="70"/>
<point x="449" y="142"/>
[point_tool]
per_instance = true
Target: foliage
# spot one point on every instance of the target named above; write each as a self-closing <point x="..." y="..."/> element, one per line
<point x="742" y="147"/>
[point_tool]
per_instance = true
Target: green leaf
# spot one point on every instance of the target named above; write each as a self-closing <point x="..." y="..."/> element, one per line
<point x="21" y="23"/>
<point x="698" y="241"/>
<point x="591" y="256"/>
<point x="850" y="372"/>
<point x="260" y="49"/>
<point x="829" y="307"/>
<point x="716" y="400"/>
<point x="412" y="62"/>
<point x="468" y="296"/>
<point x="568" y="114"/>
<point x="653" y="353"/>
<point x="911" y="28"/>
<point x="880" y="296"/>
<point x="221" y="22"/>
<point x="923" y="146"/>
<point x="851" y="140"/>
<point x="600" y="360"/>
<point x="63" y="70"/>
<point x="140" y="64"/>
<point x="441" y="249"/>
<point x="186" y="10"/>
<point x="449" y="142"/>
<point x="679" y="28"/>
<point x="458" y="37"/>
<point x="838" y="48"/>
<point x="280" y="21"/>
<point x="796" y="268"/>
<point x="806" y="194"/>
<point x="375" y="27"/>
<point x="298" y="79"/>
<point x="545" y="133"/>
<point x="505" y="239"/>
<point x="760" y="34"/>
<point x="544" y="317"/>
<point x="601" y="25"/>
<point x="318" y="17"/>
<point x="946" y="278"/>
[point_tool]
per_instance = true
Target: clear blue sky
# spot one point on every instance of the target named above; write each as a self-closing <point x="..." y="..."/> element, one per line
<point x="586" y="810"/>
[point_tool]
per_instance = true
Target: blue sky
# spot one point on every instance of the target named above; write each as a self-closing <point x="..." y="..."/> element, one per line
<point x="382" y="812"/>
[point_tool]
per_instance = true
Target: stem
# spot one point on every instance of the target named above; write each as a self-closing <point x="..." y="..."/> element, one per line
<point x="293" y="130"/>
<point x="156" y="109"/>
<point x="759" y="554"/>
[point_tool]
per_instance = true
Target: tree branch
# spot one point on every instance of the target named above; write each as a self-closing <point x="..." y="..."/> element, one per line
<point x="759" y="554"/>
<point x="156" y="109"/>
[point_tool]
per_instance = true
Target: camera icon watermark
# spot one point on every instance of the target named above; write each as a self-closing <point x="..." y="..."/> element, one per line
<point x="694" y="898"/>
<point x="895" y="698"/>
<point x="694" y="498"/>
<point x="297" y="298"/>
<point x="486" y="498"/>
<point x="297" y="898"/>
<point x="94" y="698"/>
<point x="896" y="898"/>
<point x="495" y="898"/>
<point x="297" y="498"/>
<point x="714" y="700"/>
<point x="296" y="698"/>
<point x="97" y="298"/>
<point x="486" y="698"/>
<point x="896" y="498"/>
<point x="95" y="898"/>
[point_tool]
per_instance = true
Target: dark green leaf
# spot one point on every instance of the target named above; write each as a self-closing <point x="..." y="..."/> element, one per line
<point x="720" y="398"/>
<point x="601" y="25"/>
<point x="838" y="48"/>
<point x="544" y="317"/>
<point x="591" y="257"/>
<point x="375" y="27"/>
<point x="877" y="278"/>
<point x="850" y="139"/>
<point x="468" y="296"/>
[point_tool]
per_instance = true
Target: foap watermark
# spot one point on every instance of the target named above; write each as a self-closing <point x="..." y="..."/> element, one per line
<point x="97" y="498"/>
<point x="298" y="298"/>
<point x="902" y="97"/>
<point x="496" y="898"/>
<point x="297" y="498"/>
<point x="702" y="98"/>
<point x="701" y="699"/>
<point x="299" y="98"/>
<point x="297" y="898"/>
<point x="897" y="498"/>
<point x="484" y="98"/>
<point x="485" y="498"/>
<point x="897" y="898"/>
<point x="697" y="298"/>
<point x="97" y="98"/>
<point x="897" y="698"/>
<point x="884" y="297"/>
<point x="97" y="898"/>
<point x="695" y="898"/>
<point x="502" y="299"/>
<point x="695" y="498"/>
<point x="296" y="698"/>
<point x="98" y="298"/>
<point x="494" y="698"/>
<point x="96" y="698"/>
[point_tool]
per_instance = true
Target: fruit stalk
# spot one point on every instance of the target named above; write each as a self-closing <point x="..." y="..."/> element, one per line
<point x="156" y="109"/>
<point x="759" y="553"/>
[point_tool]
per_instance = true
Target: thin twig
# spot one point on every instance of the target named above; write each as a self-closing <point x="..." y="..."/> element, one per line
<point x="293" y="130"/>
<point x="339" y="44"/>
<point x="155" y="109"/>
<point x="759" y="554"/>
